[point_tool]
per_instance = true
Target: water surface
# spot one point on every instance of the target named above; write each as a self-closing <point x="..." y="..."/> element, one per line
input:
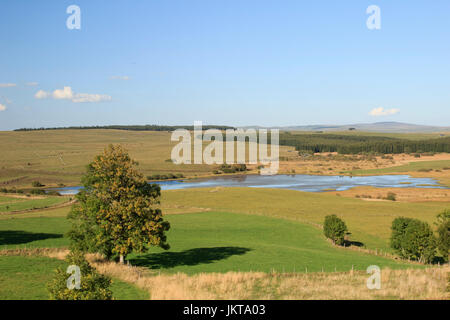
<point x="308" y="183"/>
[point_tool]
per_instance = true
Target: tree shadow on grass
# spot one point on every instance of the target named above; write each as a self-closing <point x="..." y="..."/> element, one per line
<point x="9" y="237"/>
<point x="189" y="257"/>
<point x="348" y="243"/>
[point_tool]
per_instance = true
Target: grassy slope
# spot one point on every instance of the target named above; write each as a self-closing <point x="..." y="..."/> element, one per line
<point x="60" y="156"/>
<point x="25" y="278"/>
<point x="221" y="242"/>
<point x="45" y="232"/>
<point x="214" y="242"/>
<point x="15" y="204"/>
<point x="369" y="222"/>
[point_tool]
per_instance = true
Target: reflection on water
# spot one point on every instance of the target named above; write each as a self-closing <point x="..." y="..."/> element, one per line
<point x="294" y="182"/>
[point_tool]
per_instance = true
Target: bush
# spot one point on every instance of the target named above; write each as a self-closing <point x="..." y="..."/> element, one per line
<point x="37" y="192"/>
<point x="391" y="196"/>
<point x="93" y="286"/>
<point x="165" y="176"/>
<point x="335" y="229"/>
<point x="36" y="184"/>
<point x="413" y="239"/>
<point x="226" y="168"/>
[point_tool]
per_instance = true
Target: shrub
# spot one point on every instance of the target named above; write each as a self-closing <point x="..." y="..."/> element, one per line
<point x="391" y="196"/>
<point x="93" y="286"/>
<point x="37" y="191"/>
<point x="53" y="193"/>
<point x="36" y="184"/>
<point x="413" y="239"/>
<point x="335" y="229"/>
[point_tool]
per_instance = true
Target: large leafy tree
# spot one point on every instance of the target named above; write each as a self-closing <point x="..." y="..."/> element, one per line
<point x="117" y="210"/>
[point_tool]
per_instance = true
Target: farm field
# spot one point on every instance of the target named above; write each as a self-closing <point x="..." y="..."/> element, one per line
<point x="368" y="221"/>
<point x="255" y="249"/>
<point x="214" y="242"/>
<point x="12" y="204"/>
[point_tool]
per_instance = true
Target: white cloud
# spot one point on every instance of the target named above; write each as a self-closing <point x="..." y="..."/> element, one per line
<point x="67" y="94"/>
<point x="41" y="94"/>
<point x="7" y="85"/>
<point x="85" y="97"/>
<point x="377" y="112"/>
<point x="64" y="94"/>
<point x="2" y="107"/>
<point x="32" y="84"/>
<point x="120" y="78"/>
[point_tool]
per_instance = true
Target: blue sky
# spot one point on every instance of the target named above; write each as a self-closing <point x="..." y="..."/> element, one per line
<point x="223" y="62"/>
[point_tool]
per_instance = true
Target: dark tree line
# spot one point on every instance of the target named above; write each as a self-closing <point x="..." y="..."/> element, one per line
<point x="345" y="144"/>
<point x="148" y="127"/>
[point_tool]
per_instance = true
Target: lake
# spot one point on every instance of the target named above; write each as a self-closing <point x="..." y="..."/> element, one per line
<point x="308" y="183"/>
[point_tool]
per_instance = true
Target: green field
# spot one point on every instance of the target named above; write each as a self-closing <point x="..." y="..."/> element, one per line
<point x="25" y="278"/>
<point x="214" y="242"/>
<point x="221" y="242"/>
<point x="9" y="204"/>
<point x="368" y="221"/>
<point x="46" y="232"/>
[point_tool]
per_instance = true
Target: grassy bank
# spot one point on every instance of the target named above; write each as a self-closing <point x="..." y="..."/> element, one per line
<point x="25" y="278"/>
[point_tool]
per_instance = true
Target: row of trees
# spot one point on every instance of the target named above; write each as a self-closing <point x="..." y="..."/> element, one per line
<point x="346" y="144"/>
<point x="414" y="239"/>
<point x="116" y="213"/>
<point x="147" y="127"/>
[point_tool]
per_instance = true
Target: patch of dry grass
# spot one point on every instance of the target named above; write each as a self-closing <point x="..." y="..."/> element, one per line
<point x="409" y="284"/>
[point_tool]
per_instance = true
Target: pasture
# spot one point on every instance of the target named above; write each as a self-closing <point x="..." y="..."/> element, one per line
<point x="214" y="242"/>
<point x="12" y="204"/>
<point x="369" y="222"/>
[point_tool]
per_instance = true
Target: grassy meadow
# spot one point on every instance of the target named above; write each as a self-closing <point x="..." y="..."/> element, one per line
<point x="12" y="204"/>
<point x="369" y="222"/>
<point x="214" y="242"/>
<point x="60" y="156"/>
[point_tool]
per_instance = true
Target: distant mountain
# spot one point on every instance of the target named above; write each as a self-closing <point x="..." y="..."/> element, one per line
<point x="388" y="127"/>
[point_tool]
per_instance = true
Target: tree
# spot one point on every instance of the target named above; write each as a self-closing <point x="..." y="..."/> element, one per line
<point x="398" y="228"/>
<point x="116" y="212"/>
<point x="92" y="285"/>
<point x="413" y="239"/>
<point x="335" y="229"/>
<point x="443" y="230"/>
